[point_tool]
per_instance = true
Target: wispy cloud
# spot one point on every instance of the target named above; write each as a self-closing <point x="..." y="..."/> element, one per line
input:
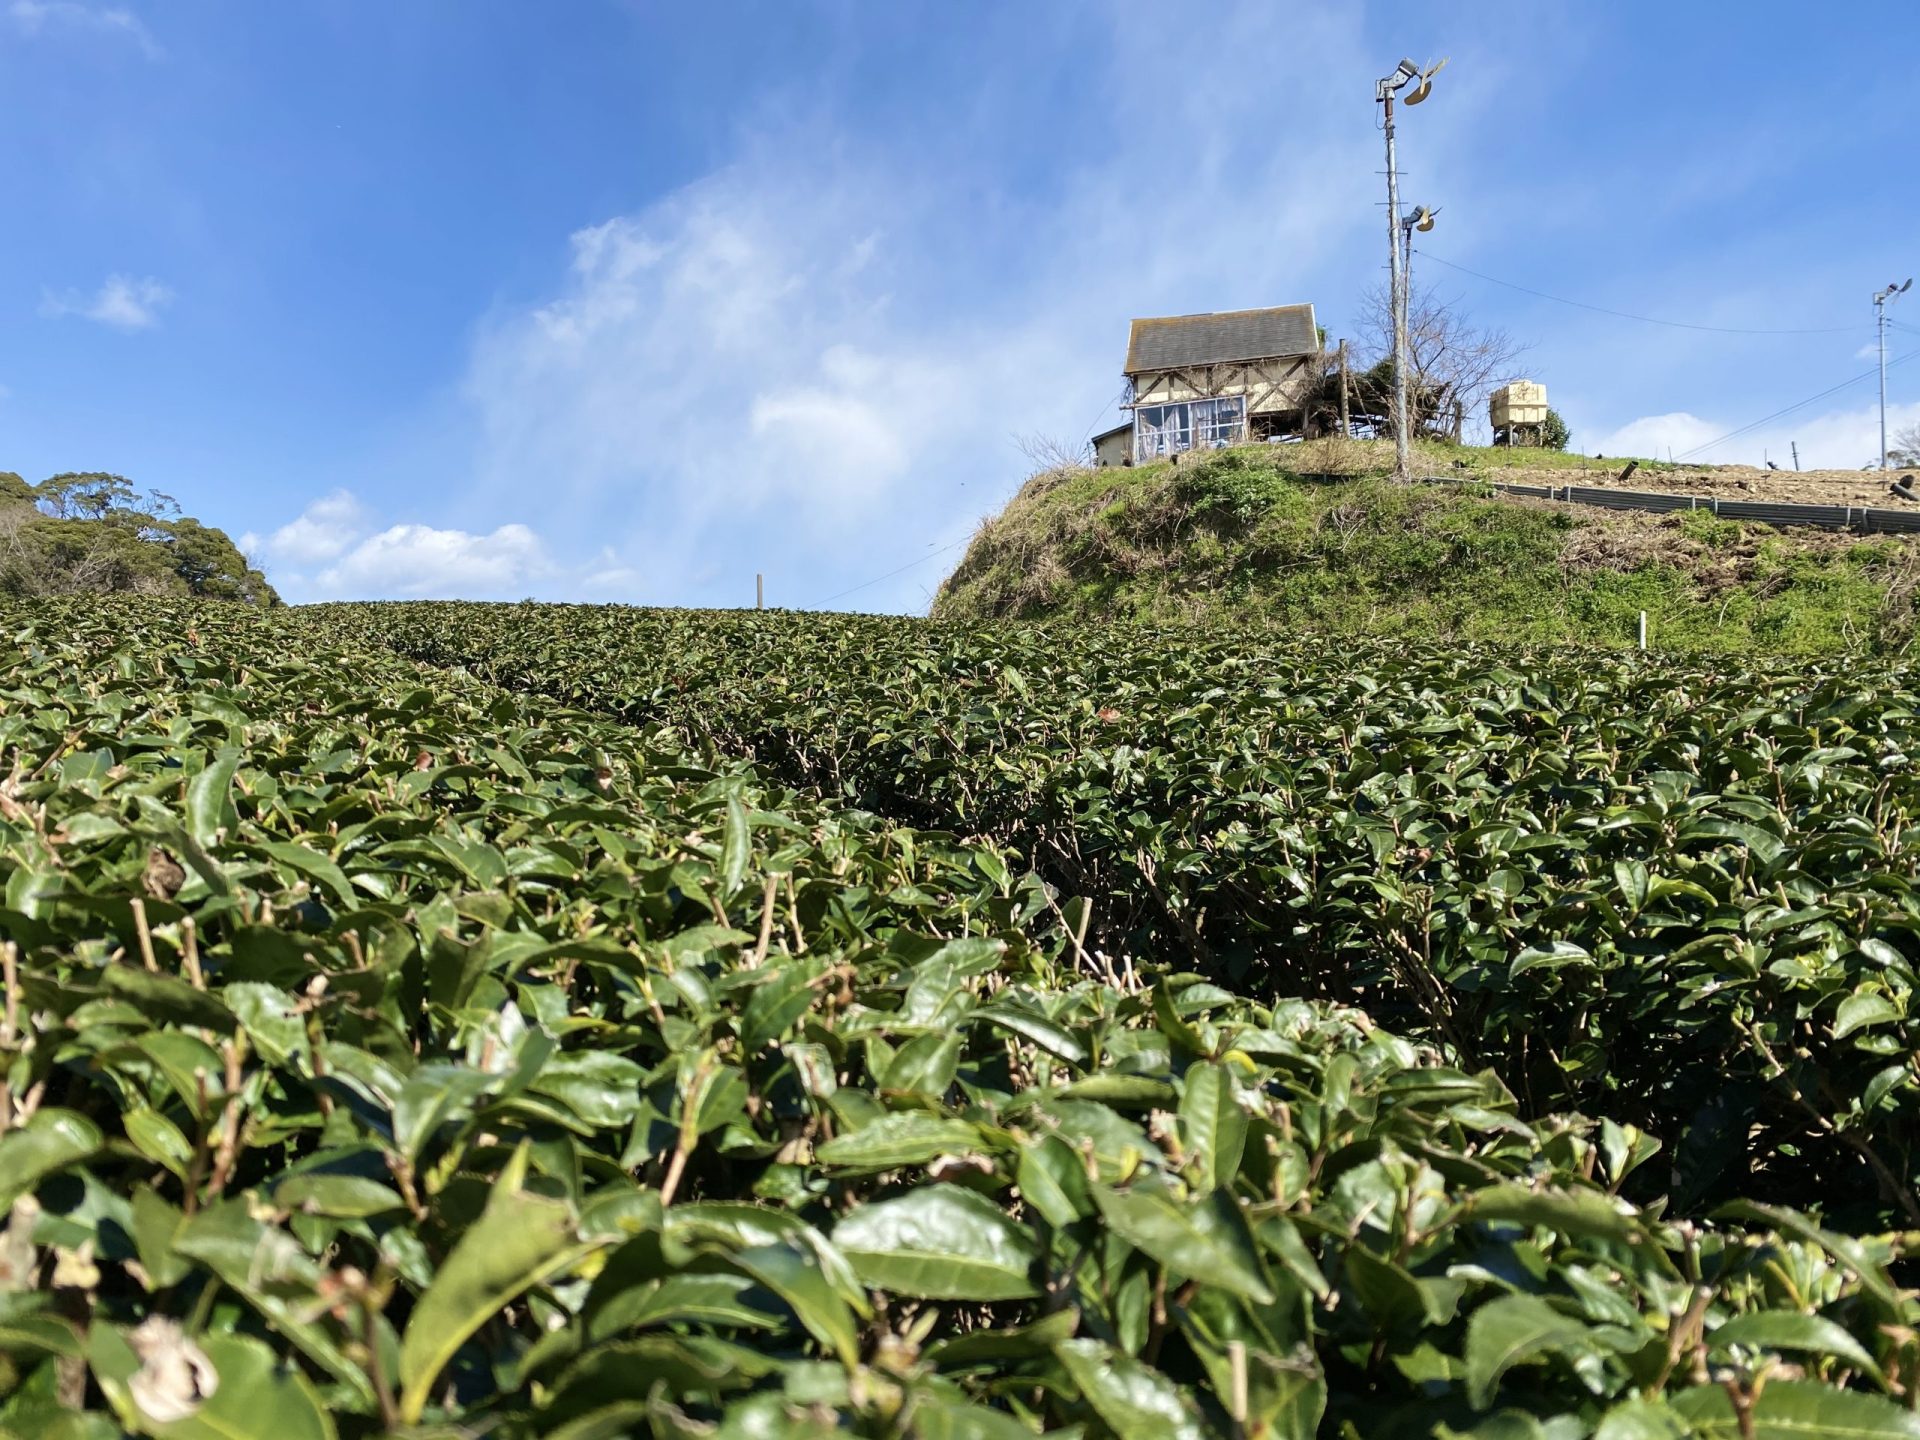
<point x="108" y="22"/>
<point x="123" y="302"/>
<point x="816" y="360"/>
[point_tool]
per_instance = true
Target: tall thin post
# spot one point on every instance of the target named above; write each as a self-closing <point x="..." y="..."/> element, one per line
<point x="1643" y="614"/>
<point x="1402" y="443"/>
<point x="1346" y="415"/>
<point x="1880" y="309"/>
<point x="1794" y="445"/>
<point x="759" y="592"/>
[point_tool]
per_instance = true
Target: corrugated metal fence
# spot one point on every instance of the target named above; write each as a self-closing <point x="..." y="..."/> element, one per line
<point x="1827" y="517"/>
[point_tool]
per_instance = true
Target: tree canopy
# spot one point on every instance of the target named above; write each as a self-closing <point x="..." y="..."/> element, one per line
<point x="94" y="533"/>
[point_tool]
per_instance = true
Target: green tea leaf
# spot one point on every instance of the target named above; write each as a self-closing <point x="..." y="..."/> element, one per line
<point x="939" y="1242"/>
<point x="1136" y="1402"/>
<point x="1206" y="1239"/>
<point x="1512" y="1331"/>
<point x="520" y="1240"/>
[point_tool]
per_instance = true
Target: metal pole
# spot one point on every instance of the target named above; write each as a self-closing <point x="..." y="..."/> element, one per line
<point x="1880" y="308"/>
<point x="1402" y="445"/>
<point x="1346" y="416"/>
<point x="759" y="592"/>
<point x="1643" y="614"/>
<point x="1795" y="445"/>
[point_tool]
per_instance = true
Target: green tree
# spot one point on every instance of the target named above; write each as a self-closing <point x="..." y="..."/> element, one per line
<point x="91" y="532"/>
<point x="90" y="495"/>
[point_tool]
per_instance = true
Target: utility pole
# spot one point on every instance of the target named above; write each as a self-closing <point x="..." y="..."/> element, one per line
<point x="1794" y="445"/>
<point x="1346" y="420"/>
<point x="1383" y="92"/>
<point x="1402" y="444"/>
<point x="1880" y="298"/>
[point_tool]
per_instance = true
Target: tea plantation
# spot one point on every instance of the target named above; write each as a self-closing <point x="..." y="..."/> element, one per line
<point x="457" y="1020"/>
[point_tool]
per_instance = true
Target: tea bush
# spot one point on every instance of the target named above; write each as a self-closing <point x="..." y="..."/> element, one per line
<point x="390" y="1052"/>
<point x="1674" y="892"/>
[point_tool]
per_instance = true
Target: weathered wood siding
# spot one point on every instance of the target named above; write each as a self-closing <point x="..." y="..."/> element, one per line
<point x="1269" y="385"/>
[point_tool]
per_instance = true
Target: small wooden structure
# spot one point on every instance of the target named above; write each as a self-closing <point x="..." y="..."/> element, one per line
<point x="1517" y="412"/>
<point x="1115" y="446"/>
<point x="1203" y="381"/>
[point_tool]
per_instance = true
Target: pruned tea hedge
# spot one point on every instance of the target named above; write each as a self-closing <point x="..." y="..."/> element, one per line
<point x="1672" y="892"/>
<point x="395" y="1050"/>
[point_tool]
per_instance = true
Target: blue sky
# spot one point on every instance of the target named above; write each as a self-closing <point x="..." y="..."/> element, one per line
<point x="630" y="301"/>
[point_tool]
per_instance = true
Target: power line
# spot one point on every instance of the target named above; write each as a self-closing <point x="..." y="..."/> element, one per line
<point x="1626" y="315"/>
<point x="1084" y="439"/>
<point x="1797" y="405"/>
<point x="891" y="573"/>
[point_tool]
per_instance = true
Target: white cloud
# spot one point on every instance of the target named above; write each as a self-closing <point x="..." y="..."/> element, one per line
<point x="1832" y="440"/>
<point x="113" y="22"/>
<point x="332" y="550"/>
<point x="815" y="361"/>
<point x="321" y="532"/>
<point x="609" y="578"/>
<point x="1653" y="436"/>
<point x="420" y="561"/>
<point x="122" y="302"/>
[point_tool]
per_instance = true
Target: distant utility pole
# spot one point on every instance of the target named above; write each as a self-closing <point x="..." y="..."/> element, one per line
<point x="1346" y="415"/>
<point x="1406" y="73"/>
<point x="1880" y="298"/>
<point x="1794" y="445"/>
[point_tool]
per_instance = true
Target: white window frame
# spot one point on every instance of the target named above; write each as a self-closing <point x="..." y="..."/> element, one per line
<point x="1207" y="430"/>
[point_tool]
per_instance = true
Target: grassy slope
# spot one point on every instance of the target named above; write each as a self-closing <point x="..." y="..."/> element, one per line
<point x="1242" y="534"/>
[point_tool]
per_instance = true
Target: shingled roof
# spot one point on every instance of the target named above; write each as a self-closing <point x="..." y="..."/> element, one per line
<point x="1177" y="340"/>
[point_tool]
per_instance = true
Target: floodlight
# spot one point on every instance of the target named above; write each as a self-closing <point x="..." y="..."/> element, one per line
<point x="1425" y="87"/>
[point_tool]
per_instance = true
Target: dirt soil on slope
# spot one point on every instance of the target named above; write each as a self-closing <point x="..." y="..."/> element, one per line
<point x="1736" y="482"/>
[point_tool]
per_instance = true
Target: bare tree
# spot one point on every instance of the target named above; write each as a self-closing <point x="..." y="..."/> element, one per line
<point x="1047" y="453"/>
<point x="1904" y="448"/>
<point x="1454" y="364"/>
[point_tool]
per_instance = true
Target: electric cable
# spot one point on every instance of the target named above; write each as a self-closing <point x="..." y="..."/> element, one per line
<point x="891" y="573"/>
<point x="1797" y="405"/>
<point x="1117" y="399"/>
<point x="1626" y="315"/>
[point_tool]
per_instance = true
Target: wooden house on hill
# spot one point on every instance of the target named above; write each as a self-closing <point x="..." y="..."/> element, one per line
<point x="1202" y="381"/>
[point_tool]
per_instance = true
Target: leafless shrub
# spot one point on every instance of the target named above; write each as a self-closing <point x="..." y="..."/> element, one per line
<point x="1453" y="363"/>
<point x="1048" y="453"/>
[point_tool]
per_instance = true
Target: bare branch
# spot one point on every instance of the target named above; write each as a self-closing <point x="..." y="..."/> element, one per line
<point x="1047" y="453"/>
<point x="1453" y="364"/>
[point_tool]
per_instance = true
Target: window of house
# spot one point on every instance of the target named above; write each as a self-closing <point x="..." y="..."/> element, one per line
<point x="1189" y="425"/>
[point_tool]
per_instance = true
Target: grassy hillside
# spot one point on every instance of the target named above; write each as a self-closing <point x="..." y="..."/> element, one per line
<point x="1317" y="535"/>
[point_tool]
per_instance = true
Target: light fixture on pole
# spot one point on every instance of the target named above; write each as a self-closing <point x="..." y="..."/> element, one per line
<point x="1419" y="218"/>
<point x="1405" y="73"/>
<point x="1880" y="299"/>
